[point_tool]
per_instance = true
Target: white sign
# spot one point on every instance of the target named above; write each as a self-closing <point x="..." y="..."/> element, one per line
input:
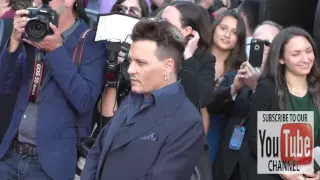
<point x="285" y="142"/>
<point x="115" y="27"/>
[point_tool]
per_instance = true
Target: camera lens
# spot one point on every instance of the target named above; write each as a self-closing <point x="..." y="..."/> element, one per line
<point x="256" y="47"/>
<point x="36" y="30"/>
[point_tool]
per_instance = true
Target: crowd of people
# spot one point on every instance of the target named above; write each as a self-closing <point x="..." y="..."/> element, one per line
<point x="190" y="84"/>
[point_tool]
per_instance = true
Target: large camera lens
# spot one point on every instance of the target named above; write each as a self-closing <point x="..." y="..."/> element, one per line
<point x="37" y="29"/>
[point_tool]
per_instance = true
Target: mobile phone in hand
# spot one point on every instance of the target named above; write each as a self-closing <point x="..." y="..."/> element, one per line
<point x="256" y="53"/>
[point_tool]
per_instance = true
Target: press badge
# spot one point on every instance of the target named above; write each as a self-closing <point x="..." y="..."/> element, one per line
<point x="237" y="137"/>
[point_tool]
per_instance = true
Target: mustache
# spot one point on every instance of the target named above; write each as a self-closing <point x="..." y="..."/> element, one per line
<point x="133" y="79"/>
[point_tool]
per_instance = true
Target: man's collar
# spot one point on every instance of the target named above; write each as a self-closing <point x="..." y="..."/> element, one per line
<point x="66" y="34"/>
<point x="163" y="93"/>
<point x="166" y="91"/>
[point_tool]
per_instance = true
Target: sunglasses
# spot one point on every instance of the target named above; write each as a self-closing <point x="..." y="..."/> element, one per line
<point x="134" y="11"/>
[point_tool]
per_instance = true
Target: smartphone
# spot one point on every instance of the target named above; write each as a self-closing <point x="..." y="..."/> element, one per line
<point x="256" y="53"/>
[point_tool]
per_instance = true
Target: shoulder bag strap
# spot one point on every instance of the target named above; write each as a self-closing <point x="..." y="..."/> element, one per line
<point x="77" y="57"/>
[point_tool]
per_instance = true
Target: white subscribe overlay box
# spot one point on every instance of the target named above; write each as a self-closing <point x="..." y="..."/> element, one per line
<point x="285" y="141"/>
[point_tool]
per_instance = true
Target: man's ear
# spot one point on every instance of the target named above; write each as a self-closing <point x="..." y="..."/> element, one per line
<point x="70" y="3"/>
<point x="169" y="66"/>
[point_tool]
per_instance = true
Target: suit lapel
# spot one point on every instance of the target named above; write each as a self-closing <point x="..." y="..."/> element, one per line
<point x="147" y="120"/>
<point x="115" y="124"/>
<point x="114" y="127"/>
<point x="140" y="124"/>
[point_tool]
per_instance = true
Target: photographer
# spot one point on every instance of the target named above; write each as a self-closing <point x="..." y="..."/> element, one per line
<point x="233" y="99"/>
<point x="42" y="134"/>
<point x="113" y="95"/>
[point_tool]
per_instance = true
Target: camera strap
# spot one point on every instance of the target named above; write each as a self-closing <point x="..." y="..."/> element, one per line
<point x="77" y="57"/>
<point x="36" y="77"/>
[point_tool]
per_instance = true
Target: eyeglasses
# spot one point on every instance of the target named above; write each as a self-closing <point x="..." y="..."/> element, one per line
<point x="134" y="11"/>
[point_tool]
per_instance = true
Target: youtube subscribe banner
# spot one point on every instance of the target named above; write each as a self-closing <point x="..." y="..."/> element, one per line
<point x="285" y="142"/>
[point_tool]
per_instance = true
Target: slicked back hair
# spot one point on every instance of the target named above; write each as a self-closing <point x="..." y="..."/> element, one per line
<point x="170" y="42"/>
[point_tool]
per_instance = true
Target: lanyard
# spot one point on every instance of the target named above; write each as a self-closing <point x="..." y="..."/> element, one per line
<point x="36" y="78"/>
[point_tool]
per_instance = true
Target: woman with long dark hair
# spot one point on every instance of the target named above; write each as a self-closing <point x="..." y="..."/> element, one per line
<point x="228" y="43"/>
<point x="228" y="46"/>
<point x="291" y="83"/>
<point x="193" y="22"/>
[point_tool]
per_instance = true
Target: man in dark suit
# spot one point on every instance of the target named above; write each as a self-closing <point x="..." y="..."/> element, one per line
<point x="41" y="135"/>
<point x="157" y="133"/>
<point x="233" y="98"/>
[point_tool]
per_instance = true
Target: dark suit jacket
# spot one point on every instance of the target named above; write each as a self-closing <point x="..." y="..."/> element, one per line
<point x="7" y="101"/>
<point x="68" y="92"/>
<point x="265" y="99"/>
<point x="198" y="82"/>
<point x="121" y="153"/>
<point x="235" y="111"/>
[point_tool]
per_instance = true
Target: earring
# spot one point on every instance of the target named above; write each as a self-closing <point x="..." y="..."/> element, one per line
<point x="165" y="76"/>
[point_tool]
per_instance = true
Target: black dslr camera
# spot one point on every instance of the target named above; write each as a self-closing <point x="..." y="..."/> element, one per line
<point x="38" y="26"/>
<point x="116" y="71"/>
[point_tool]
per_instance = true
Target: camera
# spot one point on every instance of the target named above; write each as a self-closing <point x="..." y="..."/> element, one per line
<point x="113" y="47"/>
<point x="38" y="26"/>
<point x="116" y="71"/>
<point x="83" y="149"/>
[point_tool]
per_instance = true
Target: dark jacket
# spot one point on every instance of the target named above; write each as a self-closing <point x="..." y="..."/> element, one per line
<point x="7" y="101"/>
<point x="123" y="150"/>
<point x="73" y="89"/>
<point x="265" y="99"/>
<point x="235" y="112"/>
<point x="197" y="77"/>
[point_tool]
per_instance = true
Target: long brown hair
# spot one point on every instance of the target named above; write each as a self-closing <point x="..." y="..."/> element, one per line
<point x="238" y="53"/>
<point x="276" y="71"/>
<point x="198" y="18"/>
